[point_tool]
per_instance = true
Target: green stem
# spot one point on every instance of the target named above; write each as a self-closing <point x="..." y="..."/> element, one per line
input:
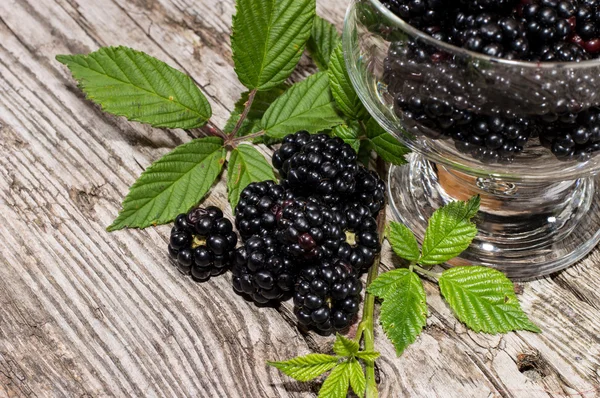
<point x="249" y="137"/>
<point x="423" y="271"/>
<point x="366" y="326"/>
<point x="243" y="116"/>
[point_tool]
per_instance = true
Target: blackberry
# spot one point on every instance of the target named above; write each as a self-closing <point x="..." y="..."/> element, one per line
<point x="562" y="52"/>
<point x="493" y="139"/>
<point x="577" y="140"/>
<point x="292" y="144"/>
<point x="419" y="13"/>
<point x="308" y="230"/>
<point x="369" y="192"/>
<point x="261" y="272"/>
<point x="326" y="168"/>
<point x="202" y="243"/>
<point x="502" y="37"/>
<point x="362" y="240"/>
<point x="501" y="6"/>
<point x="548" y="22"/>
<point x="587" y="25"/>
<point x="437" y="115"/>
<point x="256" y="212"/>
<point x="327" y="296"/>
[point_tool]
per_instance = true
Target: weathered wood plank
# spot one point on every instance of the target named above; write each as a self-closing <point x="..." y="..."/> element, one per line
<point x="83" y="312"/>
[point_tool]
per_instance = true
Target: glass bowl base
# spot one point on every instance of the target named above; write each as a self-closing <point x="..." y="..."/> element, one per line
<point x="526" y="230"/>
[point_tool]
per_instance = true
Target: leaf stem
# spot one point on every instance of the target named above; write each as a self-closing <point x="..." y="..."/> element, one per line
<point x="423" y="271"/>
<point x="366" y="326"/>
<point x="249" y="137"/>
<point x="215" y="131"/>
<point x="244" y="114"/>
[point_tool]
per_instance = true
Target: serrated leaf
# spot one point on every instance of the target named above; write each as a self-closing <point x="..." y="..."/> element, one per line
<point x="387" y="147"/>
<point x="323" y="39"/>
<point x="172" y="185"/>
<point x="262" y="102"/>
<point x="368" y="356"/>
<point x="129" y="83"/>
<point x="386" y="283"/>
<point x="350" y="133"/>
<point x="246" y="165"/>
<point x="307" y="105"/>
<point x="337" y="383"/>
<point x="403" y="241"/>
<point x="358" y="381"/>
<point x="341" y="87"/>
<point x="306" y="367"/>
<point x="345" y="347"/>
<point x="449" y="232"/>
<point x="484" y="299"/>
<point x="268" y="39"/>
<point x="404" y="308"/>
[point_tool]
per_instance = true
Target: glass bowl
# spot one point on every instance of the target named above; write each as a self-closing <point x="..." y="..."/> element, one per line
<point x="523" y="135"/>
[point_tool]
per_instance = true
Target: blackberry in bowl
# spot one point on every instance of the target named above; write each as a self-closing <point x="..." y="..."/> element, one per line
<point x="496" y="98"/>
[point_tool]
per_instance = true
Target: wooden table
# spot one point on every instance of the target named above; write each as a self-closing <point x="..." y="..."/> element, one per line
<point x="88" y="313"/>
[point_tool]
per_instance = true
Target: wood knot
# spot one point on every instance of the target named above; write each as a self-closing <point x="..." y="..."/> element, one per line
<point x="532" y="365"/>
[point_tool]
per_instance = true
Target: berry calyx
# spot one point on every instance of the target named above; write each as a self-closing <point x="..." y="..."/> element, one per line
<point x="202" y="243"/>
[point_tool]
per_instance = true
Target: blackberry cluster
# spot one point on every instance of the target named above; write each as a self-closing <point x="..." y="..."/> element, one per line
<point x="202" y="243"/>
<point x="491" y="139"/>
<point x="574" y="138"/>
<point x="327" y="296"/>
<point x="424" y="14"/>
<point x="327" y="168"/>
<point x="490" y="34"/>
<point x="528" y="30"/>
<point x="312" y="235"/>
<point x="261" y="272"/>
<point x="436" y="98"/>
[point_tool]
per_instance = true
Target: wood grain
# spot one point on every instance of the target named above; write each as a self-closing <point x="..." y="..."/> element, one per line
<point x="87" y="313"/>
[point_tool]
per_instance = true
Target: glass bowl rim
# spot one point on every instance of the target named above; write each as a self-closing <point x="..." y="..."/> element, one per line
<point x="405" y="26"/>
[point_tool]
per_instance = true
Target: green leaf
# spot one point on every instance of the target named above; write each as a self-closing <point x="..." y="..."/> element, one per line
<point x="323" y="39"/>
<point x="349" y="132"/>
<point x="364" y="153"/>
<point x="172" y="185"/>
<point x="337" y="383"/>
<point x="358" y="381"/>
<point x="307" y="367"/>
<point x="345" y="347"/>
<point x="129" y="83"/>
<point x="343" y="92"/>
<point x="403" y="241"/>
<point x="262" y="102"/>
<point x="307" y="105"/>
<point x="450" y="232"/>
<point x="404" y="308"/>
<point x="484" y="299"/>
<point x="386" y="146"/>
<point x="246" y="165"/>
<point x="268" y="39"/>
<point x="368" y="356"/>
